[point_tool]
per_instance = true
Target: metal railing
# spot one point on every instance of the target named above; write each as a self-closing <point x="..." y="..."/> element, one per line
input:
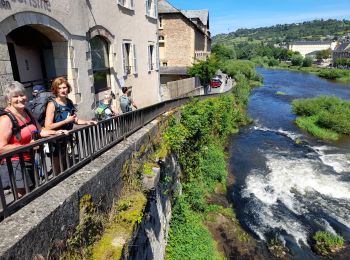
<point x="55" y="158"/>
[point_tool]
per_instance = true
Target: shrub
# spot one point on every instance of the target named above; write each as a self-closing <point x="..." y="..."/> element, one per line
<point x="309" y="124"/>
<point x="325" y="117"/>
<point x="197" y="138"/>
<point x="260" y="61"/>
<point x="332" y="73"/>
<point x="214" y="166"/>
<point x="273" y="62"/>
<point x="307" y="62"/>
<point x="189" y="239"/>
<point x="297" y="60"/>
<point x="204" y="70"/>
<point x="234" y="67"/>
<point x="327" y="243"/>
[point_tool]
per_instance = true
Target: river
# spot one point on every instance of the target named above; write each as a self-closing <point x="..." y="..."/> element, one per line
<point x="285" y="188"/>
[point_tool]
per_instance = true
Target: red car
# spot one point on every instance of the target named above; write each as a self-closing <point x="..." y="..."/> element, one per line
<point x="215" y="83"/>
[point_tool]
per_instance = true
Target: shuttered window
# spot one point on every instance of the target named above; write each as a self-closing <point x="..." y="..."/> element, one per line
<point x="129" y="58"/>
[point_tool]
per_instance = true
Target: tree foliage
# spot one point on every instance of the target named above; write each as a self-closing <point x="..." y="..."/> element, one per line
<point x="297" y="60"/>
<point x="323" y="54"/>
<point x="204" y="70"/>
<point x="223" y="52"/>
<point x="308" y="61"/>
<point x="315" y="30"/>
<point x="342" y="62"/>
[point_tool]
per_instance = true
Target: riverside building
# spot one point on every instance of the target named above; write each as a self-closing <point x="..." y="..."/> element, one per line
<point x="310" y="48"/>
<point x="184" y="39"/>
<point x="99" y="45"/>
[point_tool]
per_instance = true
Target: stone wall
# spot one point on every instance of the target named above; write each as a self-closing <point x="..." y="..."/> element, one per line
<point x="179" y="40"/>
<point x="33" y="229"/>
<point x="150" y="241"/>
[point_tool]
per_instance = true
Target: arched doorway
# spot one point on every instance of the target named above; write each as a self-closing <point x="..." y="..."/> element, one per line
<point x="31" y="55"/>
<point x="33" y="51"/>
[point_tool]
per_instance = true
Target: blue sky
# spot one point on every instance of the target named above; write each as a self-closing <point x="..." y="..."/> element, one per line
<point x="230" y="15"/>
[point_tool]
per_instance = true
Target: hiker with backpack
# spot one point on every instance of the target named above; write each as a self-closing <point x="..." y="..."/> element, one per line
<point x="105" y="108"/>
<point x="61" y="114"/>
<point x="37" y="89"/>
<point x="18" y="127"/>
<point x="125" y="101"/>
<point x="60" y="111"/>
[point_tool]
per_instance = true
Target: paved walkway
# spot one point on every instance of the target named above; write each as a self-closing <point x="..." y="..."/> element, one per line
<point x="225" y="86"/>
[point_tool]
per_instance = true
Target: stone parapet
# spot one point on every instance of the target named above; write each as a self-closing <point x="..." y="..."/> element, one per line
<point x="32" y="230"/>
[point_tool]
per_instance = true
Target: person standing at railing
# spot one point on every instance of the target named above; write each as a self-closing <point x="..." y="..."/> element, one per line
<point x="125" y="101"/>
<point x="105" y="108"/>
<point x="18" y="127"/>
<point x="61" y="114"/>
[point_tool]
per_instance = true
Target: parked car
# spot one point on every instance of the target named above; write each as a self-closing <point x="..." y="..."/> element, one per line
<point x="216" y="81"/>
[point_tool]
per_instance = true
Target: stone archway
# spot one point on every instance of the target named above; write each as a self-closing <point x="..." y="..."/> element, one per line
<point x="100" y="31"/>
<point x="53" y="31"/>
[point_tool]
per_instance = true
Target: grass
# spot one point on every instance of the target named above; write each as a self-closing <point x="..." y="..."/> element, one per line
<point x="309" y="125"/>
<point x="326" y="117"/>
<point x="327" y="243"/>
<point x="340" y="75"/>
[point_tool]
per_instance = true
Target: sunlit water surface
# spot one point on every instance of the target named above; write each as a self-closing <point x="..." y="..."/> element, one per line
<point x="283" y="187"/>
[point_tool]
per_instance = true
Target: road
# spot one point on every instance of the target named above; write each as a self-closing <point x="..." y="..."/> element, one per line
<point x="225" y="86"/>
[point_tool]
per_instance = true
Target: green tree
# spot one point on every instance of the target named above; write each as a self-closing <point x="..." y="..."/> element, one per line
<point x="297" y="60"/>
<point x="204" y="70"/>
<point x="224" y="52"/>
<point x="308" y="61"/>
<point x="344" y="62"/>
<point x="324" y="54"/>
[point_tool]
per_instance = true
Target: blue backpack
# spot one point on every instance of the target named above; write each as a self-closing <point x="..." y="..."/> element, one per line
<point x="125" y="103"/>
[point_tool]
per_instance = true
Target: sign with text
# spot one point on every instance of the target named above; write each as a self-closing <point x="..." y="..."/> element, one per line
<point x="39" y="4"/>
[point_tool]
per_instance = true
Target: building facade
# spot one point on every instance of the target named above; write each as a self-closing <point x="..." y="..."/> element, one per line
<point x="184" y="38"/>
<point x="99" y="45"/>
<point x="310" y="48"/>
<point x="342" y="50"/>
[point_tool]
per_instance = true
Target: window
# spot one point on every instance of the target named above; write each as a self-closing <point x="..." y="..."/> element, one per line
<point x="127" y="3"/>
<point x="160" y="20"/>
<point x="100" y="63"/>
<point x="151" y="8"/>
<point x="129" y="58"/>
<point x="161" y="39"/>
<point x="153" y="57"/>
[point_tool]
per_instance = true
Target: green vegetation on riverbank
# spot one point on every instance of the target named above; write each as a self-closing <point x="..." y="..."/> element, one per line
<point x="198" y="139"/>
<point x="327" y="243"/>
<point x="324" y="117"/>
<point x="341" y="75"/>
<point x="266" y="47"/>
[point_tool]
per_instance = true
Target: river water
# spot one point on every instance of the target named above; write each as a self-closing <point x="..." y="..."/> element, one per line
<point x="284" y="188"/>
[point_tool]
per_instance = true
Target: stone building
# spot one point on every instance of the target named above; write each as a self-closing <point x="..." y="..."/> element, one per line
<point x="184" y="38"/>
<point x="310" y="48"/>
<point x="342" y="50"/>
<point x="99" y="45"/>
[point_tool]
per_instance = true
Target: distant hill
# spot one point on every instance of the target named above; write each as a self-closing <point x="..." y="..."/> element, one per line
<point x="313" y="30"/>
